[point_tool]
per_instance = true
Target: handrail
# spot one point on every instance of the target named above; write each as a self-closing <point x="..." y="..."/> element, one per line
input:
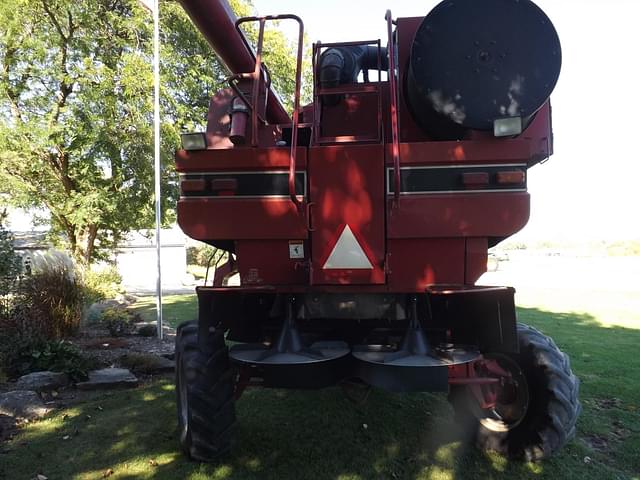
<point x="357" y="89"/>
<point x="393" y="94"/>
<point x="296" y="98"/>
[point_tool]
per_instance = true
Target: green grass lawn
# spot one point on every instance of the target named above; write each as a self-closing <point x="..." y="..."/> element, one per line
<point x="175" y="308"/>
<point x="321" y="435"/>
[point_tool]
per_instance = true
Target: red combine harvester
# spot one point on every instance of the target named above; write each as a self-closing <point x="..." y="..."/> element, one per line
<point x="360" y="226"/>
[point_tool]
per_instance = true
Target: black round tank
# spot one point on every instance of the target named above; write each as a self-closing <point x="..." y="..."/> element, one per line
<point x="474" y="61"/>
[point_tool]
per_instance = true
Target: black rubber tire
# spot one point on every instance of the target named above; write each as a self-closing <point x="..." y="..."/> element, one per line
<point x="553" y="405"/>
<point x="205" y="394"/>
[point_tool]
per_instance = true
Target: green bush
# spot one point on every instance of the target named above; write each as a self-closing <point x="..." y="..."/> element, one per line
<point x="118" y="321"/>
<point x="102" y="284"/>
<point x="144" y="363"/>
<point x="26" y="355"/>
<point x="200" y="255"/>
<point x="147" y="331"/>
<point x="56" y="291"/>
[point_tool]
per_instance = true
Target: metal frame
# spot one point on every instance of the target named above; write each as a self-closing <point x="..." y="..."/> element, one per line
<point x="357" y="89"/>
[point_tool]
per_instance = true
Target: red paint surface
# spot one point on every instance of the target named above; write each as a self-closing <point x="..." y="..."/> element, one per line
<point x="347" y="188"/>
<point x="458" y="215"/>
<point x="249" y="159"/>
<point x="415" y="263"/>
<point x="275" y="268"/>
<point x="475" y="259"/>
<point x="236" y="218"/>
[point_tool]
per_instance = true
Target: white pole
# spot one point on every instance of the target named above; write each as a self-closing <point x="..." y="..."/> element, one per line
<point x="156" y="154"/>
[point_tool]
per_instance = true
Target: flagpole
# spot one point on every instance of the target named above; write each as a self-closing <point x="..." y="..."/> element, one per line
<point x="156" y="156"/>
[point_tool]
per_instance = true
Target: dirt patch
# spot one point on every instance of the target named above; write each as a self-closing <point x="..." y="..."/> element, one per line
<point x="103" y="343"/>
<point x="106" y="349"/>
<point x="608" y="403"/>
<point x="618" y="431"/>
<point x="597" y="443"/>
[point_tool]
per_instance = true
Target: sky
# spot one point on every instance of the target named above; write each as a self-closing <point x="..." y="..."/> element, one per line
<point x="590" y="188"/>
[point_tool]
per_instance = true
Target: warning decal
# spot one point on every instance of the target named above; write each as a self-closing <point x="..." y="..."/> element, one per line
<point x="347" y="253"/>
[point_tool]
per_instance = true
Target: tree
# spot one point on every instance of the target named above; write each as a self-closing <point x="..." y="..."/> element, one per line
<point x="76" y="136"/>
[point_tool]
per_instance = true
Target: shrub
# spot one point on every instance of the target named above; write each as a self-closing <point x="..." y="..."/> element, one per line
<point x="56" y="292"/>
<point x="200" y="255"/>
<point x="147" y="330"/>
<point x="117" y="321"/>
<point x="144" y="363"/>
<point x="25" y="355"/>
<point x="102" y="284"/>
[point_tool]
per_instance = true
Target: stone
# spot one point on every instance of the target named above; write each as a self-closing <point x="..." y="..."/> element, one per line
<point x="43" y="381"/>
<point x="109" y="378"/>
<point x="125" y="299"/>
<point x="22" y="404"/>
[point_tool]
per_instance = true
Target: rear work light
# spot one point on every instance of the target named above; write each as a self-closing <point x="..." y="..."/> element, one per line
<point x="193" y="141"/>
<point x="507" y="127"/>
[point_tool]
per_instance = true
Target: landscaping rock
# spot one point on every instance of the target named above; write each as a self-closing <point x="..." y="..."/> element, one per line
<point x="146" y="363"/>
<point x="22" y="404"/>
<point x="109" y="378"/>
<point x="43" y="381"/>
<point x="126" y="299"/>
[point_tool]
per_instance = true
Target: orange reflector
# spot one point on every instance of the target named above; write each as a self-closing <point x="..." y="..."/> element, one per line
<point x="515" y="177"/>
<point x="475" y="179"/>
<point x="193" y="185"/>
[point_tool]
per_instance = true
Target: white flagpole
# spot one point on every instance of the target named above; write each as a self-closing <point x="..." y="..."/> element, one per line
<point x="156" y="154"/>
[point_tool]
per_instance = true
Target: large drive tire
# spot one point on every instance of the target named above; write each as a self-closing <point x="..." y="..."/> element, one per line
<point x="545" y="402"/>
<point x="205" y="396"/>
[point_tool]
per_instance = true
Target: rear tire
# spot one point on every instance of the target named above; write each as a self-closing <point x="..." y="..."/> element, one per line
<point x="550" y="410"/>
<point x="205" y="394"/>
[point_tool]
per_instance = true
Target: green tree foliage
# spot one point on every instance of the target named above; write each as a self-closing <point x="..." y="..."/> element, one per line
<point x="76" y="131"/>
<point x="76" y="134"/>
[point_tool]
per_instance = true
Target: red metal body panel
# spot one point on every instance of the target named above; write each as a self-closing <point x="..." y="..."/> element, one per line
<point x="475" y="259"/>
<point x="347" y="188"/>
<point x="232" y="218"/>
<point x="238" y="159"/>
<point x="457" y="215"/>
<point x="469" y="152"/>
<point x="415" y="263"/>
<point x="275" y="268"/>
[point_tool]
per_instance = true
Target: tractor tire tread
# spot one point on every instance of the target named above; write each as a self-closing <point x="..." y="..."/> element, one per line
<point x="209" y="382"/>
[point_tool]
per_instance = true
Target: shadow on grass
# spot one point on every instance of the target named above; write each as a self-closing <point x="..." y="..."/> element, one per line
<point x="321" y="435"/>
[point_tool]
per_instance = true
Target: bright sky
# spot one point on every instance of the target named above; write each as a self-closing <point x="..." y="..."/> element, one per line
<point x="590" y="188"/>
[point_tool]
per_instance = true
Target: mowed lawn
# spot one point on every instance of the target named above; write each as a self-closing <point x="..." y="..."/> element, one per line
<point x="321" y="435"/>
<point x="175" y="308"/>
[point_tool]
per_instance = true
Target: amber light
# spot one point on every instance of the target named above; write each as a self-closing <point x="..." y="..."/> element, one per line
<point x="510" y="178"/>
<point x="475" y="179"/>
<point x="193" y="185"/>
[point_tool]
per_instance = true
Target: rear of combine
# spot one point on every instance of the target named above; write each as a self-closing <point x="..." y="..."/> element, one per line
<point x="359" y="226"/>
